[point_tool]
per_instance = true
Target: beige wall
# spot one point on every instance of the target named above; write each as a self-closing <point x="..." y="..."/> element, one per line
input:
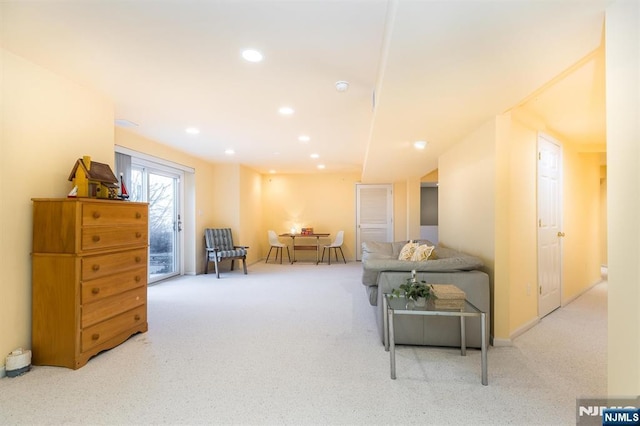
<point x="522" y="269"/>
<point x="325" y="201"/>
<point x="413" y="208"/>
<point x="251" y="230"/>
<point x="225" y="190"/>
<point x="466" y="201"/>
<point x="581" y="221"/>
<point x="430" y="177"/>
<point x="623" y="177"/>
<point x="47" y="124"/>
<point x="492" y="173"/>
<point x="406" y="209"/>
<point x="604" y="255"/>
<point x="400" y="213"/>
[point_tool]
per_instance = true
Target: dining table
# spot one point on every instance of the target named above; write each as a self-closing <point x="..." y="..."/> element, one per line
<point x="308" y="245"/>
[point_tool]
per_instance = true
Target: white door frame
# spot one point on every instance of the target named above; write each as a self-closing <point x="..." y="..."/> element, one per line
<point x="376" y="226"/>
<point x="187" y="241"/>
<point x="149" y="167"/>
<point x="549" y="178"/>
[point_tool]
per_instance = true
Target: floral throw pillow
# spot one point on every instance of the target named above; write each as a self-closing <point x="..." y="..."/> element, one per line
<point x="407" y="251"/>
<point x="422" y="253"/>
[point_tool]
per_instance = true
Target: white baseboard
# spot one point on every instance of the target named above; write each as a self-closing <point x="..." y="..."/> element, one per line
<point x="516" y="333"/>
<point x="524" y="328"/>
<point x="571" y="299"/>
<point x="533" y="322"/>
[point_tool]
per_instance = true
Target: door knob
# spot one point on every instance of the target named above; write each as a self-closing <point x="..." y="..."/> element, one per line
<point x="560" y="234"/>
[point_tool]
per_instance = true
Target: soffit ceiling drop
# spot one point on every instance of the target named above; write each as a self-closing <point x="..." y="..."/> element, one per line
<point x="436" y="70"/>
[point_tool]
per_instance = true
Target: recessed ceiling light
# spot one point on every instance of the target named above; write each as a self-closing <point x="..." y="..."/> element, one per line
<point x="272" y="171"/>
<point x="192" y="130"/>
<point x="229" y="151"/>
<point x="314" y="155"/>
<point x="320" y="166"/>
<point x="252" y="55"/>
<point x="342" y="86"/>
<point x="286" y="110"/>
<point x="420" y="144"/>
<point x="304" y="138"/>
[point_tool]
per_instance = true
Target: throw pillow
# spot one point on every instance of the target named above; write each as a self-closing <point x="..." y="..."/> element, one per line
<point x="407" y="251"/>
<point x="422" y="253"/>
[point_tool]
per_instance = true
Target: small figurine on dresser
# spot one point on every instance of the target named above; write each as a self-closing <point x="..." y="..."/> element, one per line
<point x="93" y="180"/>
<point x="123" y="189"/>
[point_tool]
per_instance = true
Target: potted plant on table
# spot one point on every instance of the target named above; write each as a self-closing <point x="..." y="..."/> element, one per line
<point x="417" y="291"/>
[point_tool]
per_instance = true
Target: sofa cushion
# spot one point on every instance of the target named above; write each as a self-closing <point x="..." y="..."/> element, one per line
<point x="422" y="252"/>
<point x="407" y="251"/>
<point x="379" y="249"/>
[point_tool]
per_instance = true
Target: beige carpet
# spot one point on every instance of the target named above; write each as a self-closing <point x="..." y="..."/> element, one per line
<point x="297" y="344"/>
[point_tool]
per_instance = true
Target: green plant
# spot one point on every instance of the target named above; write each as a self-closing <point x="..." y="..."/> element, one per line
<point x="413" y="289"/>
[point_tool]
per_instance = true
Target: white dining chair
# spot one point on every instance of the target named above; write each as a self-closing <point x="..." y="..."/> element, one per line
<point x="274" y="242"/>
<point x="335" y="245"/>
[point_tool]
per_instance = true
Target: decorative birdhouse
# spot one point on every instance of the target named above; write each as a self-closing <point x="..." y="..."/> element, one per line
<point x="92" y="179"/>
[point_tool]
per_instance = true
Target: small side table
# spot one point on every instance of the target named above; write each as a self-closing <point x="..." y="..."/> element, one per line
<point x="398" y="306"/>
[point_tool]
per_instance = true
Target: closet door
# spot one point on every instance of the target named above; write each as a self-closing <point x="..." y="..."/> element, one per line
<point x="374" y="214"/>
<point x="549" y="225"/>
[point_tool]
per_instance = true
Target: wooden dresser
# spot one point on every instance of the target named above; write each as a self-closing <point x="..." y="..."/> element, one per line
<point x="89" y="277"/>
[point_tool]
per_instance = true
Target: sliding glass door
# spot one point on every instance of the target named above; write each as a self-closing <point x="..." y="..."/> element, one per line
<point x="160" y="187"/>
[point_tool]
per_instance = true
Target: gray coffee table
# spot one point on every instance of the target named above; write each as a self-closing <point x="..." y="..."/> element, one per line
<point x="398" y="306"/>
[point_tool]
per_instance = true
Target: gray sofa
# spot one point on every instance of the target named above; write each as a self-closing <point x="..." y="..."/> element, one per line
<point x="382" y="272"/>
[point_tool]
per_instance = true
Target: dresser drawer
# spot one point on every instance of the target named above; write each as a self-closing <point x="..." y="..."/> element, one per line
<point x="93" y="313"/>
<point x="100" y="288"/>
<point x="98" y="214"/>
<point x="109" y="237"/>
<point x="109" y="264"/>
<point x="105" y="330"/>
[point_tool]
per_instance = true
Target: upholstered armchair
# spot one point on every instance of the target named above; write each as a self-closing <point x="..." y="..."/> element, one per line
<point x="219" y="247"/>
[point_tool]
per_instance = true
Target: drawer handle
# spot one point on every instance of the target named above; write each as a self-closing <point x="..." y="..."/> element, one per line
<point x="137" y="278"/>
<point x="95" y="336"/>
<point x="138" y="215"/>
<point x="95" y="290"/>
<point x="137" y="317"/>
<point x="96" y="238"/>
<point x="138" y="259"/>
<point x="96" y="267"/>
<point x="96" y="215"/>
<point x="138" y="234"/>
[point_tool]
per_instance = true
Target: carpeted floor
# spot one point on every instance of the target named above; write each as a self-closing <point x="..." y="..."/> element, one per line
<point x="297" y="344"/>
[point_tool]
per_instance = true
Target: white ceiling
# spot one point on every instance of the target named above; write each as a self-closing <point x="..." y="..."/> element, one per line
<point x="436" y="69"/>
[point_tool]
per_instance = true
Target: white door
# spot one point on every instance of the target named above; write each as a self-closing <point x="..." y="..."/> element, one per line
<point x="160" y="186"/>
<point x="374" y="214"/>
<point x="549" y="225"/>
